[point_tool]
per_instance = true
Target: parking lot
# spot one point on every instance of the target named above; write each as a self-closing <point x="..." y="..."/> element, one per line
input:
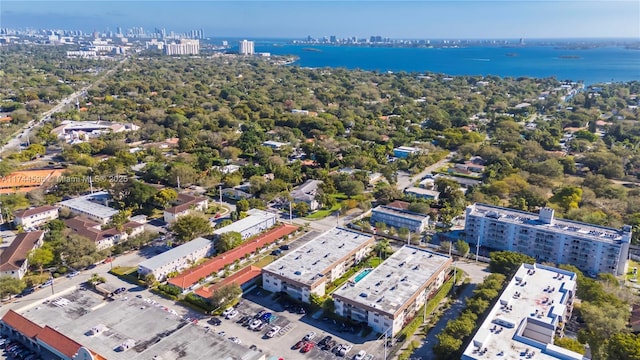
<point x="294" y="327"/>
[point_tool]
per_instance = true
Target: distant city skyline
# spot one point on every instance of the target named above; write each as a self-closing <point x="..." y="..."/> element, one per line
<point x="501" y="19"/>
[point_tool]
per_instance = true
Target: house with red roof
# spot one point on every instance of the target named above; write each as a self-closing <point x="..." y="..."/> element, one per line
<point x="103" y="238"/>
<point x="185" y="204"/>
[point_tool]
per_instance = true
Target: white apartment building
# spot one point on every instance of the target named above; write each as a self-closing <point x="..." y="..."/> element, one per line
<point x="308" y="269"/>
<point x="34" y="217"/>
<point x="530" y="312"/>
<point x="92" y="206"/>
<point x="186" y="203"/>
<point x="398" y="218"/>
<point x="14" y="261"/>
<point x="176" y="259"/>
<point x="591" y="248"/>
<point x="183" y="47"/>
<point x="388" y="297"/>
<point x="246" y="47"/>
<point x="257" y="222"/>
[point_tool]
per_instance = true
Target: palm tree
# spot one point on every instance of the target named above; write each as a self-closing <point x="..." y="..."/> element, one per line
<point x="382" y="248"/>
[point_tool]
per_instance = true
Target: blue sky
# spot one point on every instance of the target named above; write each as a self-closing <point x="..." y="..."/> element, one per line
<point x="296" y="19"/>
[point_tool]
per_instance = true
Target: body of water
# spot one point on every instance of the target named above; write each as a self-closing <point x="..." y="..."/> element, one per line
<point x="590" y="66"/>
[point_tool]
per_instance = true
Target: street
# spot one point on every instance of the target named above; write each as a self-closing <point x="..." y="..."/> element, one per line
<point x="406" y="180"/>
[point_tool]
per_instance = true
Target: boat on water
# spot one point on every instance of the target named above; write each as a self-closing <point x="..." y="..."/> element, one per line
<point x="311" y="49"/>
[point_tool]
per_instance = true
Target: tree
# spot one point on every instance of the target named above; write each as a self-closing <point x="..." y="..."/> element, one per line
<point x="242" y="206"/>
<point x="623" y="346"/>
<point x="78" y="252"/>
<point x="119" y="219"/>
<point x="446" y="246"/>
<point x="382" y="248"/>
<point x="419" y="207"/>
<point x="150" y="280"/>
<point x="228" y="241"/>
<point x="602" y="321"/>
<point x="462" y="247"/>
<point x="225" y="295"/>
<point x="164" y="197"/>
<point x="385" y="193"/>
<point x="351" y="188"/>
<point x="40" y="257"/>
<point x="508" y="262"/>
<point x="568" y="197"/>
<point x="302" y="209"/>
<point x="10" y="286"/>
<point x="446" y="346"/>
<point x="96" y="279"/>
<point x="570" y="344"/>
<point x="189" y="227"/>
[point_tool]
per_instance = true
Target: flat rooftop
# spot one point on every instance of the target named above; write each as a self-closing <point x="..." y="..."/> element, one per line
<point x="541" y="303"/>
<point x="422" y="191"/>
<point x="90" y="204"/>
<point x="255" y="217"/>
<point x="401" y="213"/>
<point x="175" y="253"/>
<point x="314" y="259"/>
<point x="583" y="230"/>
<point x="158" y="332"/>
<point x="390" y="286"/>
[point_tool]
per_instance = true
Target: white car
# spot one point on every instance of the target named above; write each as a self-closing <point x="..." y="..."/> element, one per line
<point x="360" y="355"/>
<point x="254" y="324"/>
<point x="235" y="340"/>
<point x="228" y="311"/>
<point x="73" y="274"/>
<point x="274" y="330"/>
<point x="309" y="336"/>
<point x="232" y="314"/>
<point x="345" y="349"/>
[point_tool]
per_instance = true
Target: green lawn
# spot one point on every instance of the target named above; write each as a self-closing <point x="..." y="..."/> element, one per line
<point x="264" y="261"/>
<point x="321" y="214"/>
<point x="123" y="271"/>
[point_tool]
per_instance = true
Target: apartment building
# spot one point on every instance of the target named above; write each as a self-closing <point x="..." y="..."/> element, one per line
<point x="34" y="217"/>
<point x="185" y="204"/>
<point x="183" y="47"/>
<point x="388" y="297"/>
<point x="308" y="269"/>
<point x="103" y="238"/>
<point x="256" y="222"/>
<point x="176" y="259"/>
<point x="592" y="249"/>
<point x="403" y="152"/>
<point x="14" y="260"/>
<point x="93" y="206"/>
<point x="246" y="47"/>
<point x="529" y="314"/>
<point x="399" y="218"/>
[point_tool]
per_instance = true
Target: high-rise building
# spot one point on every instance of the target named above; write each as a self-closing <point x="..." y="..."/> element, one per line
<point x="246" y="47"/>
<point x="591" y="248"/>
<point x="184" y="47"/>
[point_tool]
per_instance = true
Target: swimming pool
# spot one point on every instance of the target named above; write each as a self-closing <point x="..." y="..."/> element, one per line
<point x="362" y="274"/>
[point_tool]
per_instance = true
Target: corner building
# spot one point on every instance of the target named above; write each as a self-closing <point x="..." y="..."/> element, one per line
<point x="591" y="248"/>
<point x="308" y="269"/>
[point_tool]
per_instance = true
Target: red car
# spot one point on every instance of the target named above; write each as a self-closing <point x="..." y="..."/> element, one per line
<point x="307" y="347"/>
<point x="299" y="344"/>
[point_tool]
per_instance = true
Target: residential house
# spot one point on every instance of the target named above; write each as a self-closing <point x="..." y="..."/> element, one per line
<point x="422" y="193"/>
<point x="306" y="193"/>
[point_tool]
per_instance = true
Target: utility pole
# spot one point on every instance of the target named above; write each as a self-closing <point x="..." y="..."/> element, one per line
<point x="409" y="238"/>
<point x="1" y="218"/>
<point x="477" y="247"/>
<point x="220" y="191"/>
<point x="290" y="213"/>
<point x="90" y="184"/>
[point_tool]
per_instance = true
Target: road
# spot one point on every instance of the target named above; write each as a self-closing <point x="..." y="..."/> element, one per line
<point x="23" y="135"/>
<point x="477" y="272"/>
<point x="405" y="179"/>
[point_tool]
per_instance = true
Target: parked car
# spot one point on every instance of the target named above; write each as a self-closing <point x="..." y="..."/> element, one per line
<point x="336" y="349"/>
<point x="284" y="247"/>
<point x="299" y="344"/>
<point x="325" y="340"/>
<point x="235" y="340"/>
<point x="276" y="252"/>
<point x="243" y="319"/>
<point x="254" y="324"/>
<point x="262" y="326"/>
<point x="265" y="316"/>
<point x="232" y="314"/>
<point x="228" y="311"/>
<point x="309" y="336"/>
<point x="360" y="355"/>
<point x="259" y="314"/>
<point x="73" y="274"/>
<point x="45" y="284"/>
<point x="345" y="349"/>
<point x="307" y="347"/>
<point x="329" y="345"/>
<point x="248" y="321"/>
<point x="274" y="330"/>
<point x="215" y="321"/>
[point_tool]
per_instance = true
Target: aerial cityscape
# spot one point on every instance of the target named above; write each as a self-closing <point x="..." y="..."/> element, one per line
<point x="319" y="180"/>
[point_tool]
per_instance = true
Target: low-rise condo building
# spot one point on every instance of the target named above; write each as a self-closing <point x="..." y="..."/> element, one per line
<point x="34" y="217"/>
<point x="388" y="297"/>
<point x="176" y="259"/>
<point x="398" y="218"/>
<point x="256" y="222"/>
<point x="93" y="206"/>
<point x="14" y="260"/>
<point x="308" y="269"/>
<point x="185" y="204"/>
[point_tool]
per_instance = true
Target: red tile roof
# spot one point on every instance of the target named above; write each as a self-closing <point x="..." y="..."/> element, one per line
<point x="15" y="255"/>
<point x="241" y="277"/>
<point x="92" y="230"/>
<point x="60" y="342"/>
<point x="191" y="276"/>
<point x="402" y="205"/>
<point x="21" y="324"/>
<point x="34" y="211"/>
